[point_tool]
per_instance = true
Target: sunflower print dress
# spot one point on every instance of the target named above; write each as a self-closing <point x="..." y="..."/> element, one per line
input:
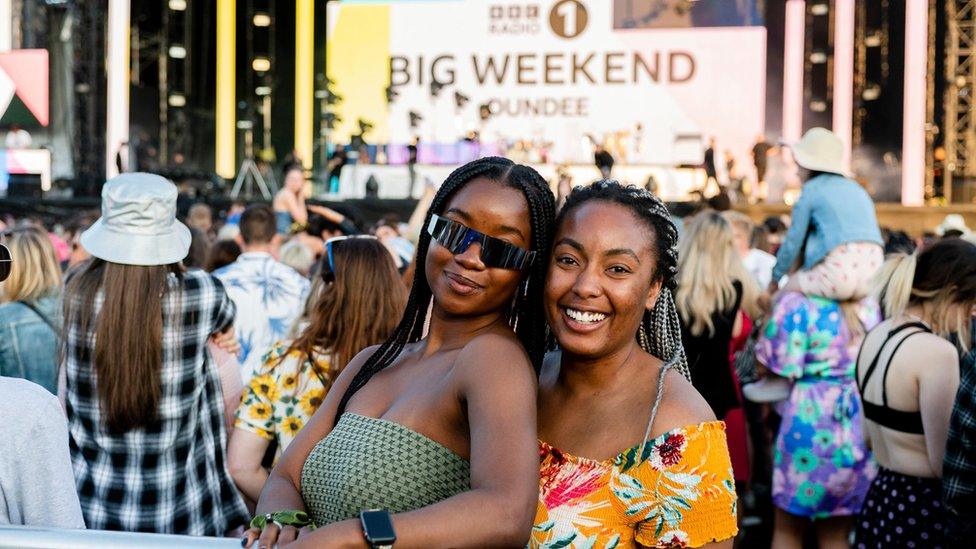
<point x="283" y="394"/>
<point x="675" y="491"/>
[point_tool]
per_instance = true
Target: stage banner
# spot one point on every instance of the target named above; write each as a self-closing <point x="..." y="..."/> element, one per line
<point x="555" y="75"/>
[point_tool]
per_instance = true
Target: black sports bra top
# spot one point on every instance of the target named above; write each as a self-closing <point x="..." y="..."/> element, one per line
<point x="906" y="422"/>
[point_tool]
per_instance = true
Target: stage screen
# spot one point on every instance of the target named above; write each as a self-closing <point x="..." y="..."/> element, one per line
<point x="556" y="74"/>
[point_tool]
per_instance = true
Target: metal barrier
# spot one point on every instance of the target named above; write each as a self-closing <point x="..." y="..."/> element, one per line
<point x="28" y="537"/>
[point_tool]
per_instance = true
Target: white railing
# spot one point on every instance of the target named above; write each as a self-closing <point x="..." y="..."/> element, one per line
<point x="28" y="537"/>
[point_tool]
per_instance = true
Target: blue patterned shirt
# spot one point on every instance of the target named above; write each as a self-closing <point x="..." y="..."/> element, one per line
<point x="269" y="297"/>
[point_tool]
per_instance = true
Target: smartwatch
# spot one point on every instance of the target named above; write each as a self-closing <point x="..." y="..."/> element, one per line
<point x="378" y="528"/>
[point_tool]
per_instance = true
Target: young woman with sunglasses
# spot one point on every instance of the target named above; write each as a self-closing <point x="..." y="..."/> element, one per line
<point x="359" y="305"/>
<point x="631" y="454"/>
<point x="437" y="426"/>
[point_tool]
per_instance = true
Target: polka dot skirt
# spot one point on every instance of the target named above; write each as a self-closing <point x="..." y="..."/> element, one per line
<point x="901" y="511"/>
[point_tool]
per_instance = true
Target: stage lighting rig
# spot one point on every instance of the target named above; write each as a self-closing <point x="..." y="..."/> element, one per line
<point x="364" y="126"/>
<point x="331" y="119"/>
<point x="435" y="88"/>
<point x="391" y="94"/>
<point x="415" y="119"/>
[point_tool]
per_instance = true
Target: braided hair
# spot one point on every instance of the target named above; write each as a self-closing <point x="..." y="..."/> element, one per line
<point x="660" y="329"/>
<point x="526" y="315"/>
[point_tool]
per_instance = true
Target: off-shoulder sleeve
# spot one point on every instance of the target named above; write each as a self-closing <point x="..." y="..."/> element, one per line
<point x="684" y="492"/>
<point x="783" y="343"/>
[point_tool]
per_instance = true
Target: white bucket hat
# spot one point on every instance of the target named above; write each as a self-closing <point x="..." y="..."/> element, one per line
<point x="953" y="222"/>
<point x="820" y="150"/>
<point x="138" y="224"/>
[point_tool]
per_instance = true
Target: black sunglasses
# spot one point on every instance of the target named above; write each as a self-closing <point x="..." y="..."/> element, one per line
<point x="494" y="252"/>
<point x="5" y="261"/>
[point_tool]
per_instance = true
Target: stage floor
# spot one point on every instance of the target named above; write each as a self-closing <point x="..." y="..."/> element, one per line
<point x="673" y="184"/>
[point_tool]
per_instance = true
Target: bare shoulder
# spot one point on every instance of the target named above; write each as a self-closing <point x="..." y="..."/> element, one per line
<point x="682" y="405"/>
<point x="493" y="355"/>
<point x="355" y="365"/>
<point x="930" y="354"/>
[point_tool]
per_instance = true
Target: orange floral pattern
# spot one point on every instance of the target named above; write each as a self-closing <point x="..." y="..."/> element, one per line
<point x="676" y="490"/>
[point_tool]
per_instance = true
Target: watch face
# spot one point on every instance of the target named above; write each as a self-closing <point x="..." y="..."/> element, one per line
<point x="378" y="527"/>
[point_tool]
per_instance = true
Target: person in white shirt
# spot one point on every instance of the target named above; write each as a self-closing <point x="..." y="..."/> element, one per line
<point x="268" y="294"/>
<point x="759" y="263"/>
<point x="37" y="484"/>
<point x="17" y="138"/>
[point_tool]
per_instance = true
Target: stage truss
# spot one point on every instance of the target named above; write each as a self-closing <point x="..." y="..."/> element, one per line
<point x="960" y="105"/>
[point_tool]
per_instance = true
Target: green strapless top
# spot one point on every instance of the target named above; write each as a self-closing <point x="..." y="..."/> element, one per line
<point x="368" y="463"/>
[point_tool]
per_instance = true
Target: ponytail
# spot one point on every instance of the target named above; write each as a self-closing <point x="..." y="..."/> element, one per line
<point x="893" y="283"/>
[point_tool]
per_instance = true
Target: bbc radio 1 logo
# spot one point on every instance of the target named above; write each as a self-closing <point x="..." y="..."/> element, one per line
<point x="567" y="19"/>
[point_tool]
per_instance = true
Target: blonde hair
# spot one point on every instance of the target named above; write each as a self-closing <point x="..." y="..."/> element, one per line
<point x="707" y="267"/>
<point x="34" y="271"/>
<point x="739" y="221"/>
<point x="297" y="256"/>
<point x="941" y="276"/>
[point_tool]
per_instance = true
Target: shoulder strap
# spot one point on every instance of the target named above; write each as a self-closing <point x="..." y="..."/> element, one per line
<point x="877" y="357"/>
<point x="884" y="375"/>
<point x="658" y="398"/>
<point x="32" y="307"/>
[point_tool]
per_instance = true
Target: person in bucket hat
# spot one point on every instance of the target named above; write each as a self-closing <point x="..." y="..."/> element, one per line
<point x="138" y="224"/>
<point x="145" y="411"/>
<point x="834" y="227"/>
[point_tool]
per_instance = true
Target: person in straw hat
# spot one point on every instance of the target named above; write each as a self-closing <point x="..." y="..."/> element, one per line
<point x="834" y="226"/>
<point x="144" y="400"/>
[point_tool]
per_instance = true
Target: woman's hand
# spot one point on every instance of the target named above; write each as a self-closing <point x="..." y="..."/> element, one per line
<point x="227" y="341"/>
<point x="273" y="536"/>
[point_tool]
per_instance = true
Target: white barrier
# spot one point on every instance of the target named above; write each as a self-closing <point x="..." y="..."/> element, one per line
<point x="28" y="537"/>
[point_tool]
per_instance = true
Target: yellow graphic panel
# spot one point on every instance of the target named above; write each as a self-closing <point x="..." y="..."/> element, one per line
<point x="357" y="57"/>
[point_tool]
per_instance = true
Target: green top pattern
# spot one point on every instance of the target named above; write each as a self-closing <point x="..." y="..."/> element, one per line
<point x="369" y="463"/>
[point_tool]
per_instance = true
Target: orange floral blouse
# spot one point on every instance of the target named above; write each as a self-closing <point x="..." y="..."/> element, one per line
<point x="675" y="491"/>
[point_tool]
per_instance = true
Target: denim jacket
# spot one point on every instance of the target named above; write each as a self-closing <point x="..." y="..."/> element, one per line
<point x="29" y="348"/>
<point x="832" y="210"/>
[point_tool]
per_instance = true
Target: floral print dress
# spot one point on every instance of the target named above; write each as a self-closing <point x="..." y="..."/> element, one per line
<point x="283" y="394"/>
<point x="822" y="466"/>
<point x="674" y="491"/>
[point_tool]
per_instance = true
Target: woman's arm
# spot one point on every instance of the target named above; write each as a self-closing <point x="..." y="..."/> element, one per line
<point x="282" y="491"/>
<point x="795" y="237"/>
<point x="498" y="386"/>
<point x="245" y="450"/>
<point x="938" y="382"/>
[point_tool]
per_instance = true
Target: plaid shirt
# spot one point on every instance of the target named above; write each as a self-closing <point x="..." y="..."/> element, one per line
<point x="170" y="476"/>
<point x="959" y="468"/>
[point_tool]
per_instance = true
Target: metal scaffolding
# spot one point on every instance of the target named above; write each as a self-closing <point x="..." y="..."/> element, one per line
<point x="89" y="77"/>
<point x="960" y="106"/>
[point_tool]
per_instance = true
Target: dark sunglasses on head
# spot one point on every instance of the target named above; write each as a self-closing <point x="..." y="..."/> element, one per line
<point x="5" y="262"/>
<point x="494" y="252"/>
<point x="328" y="268"/>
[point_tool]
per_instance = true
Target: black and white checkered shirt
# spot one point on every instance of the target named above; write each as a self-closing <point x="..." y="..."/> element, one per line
<point x="170" y="476"/>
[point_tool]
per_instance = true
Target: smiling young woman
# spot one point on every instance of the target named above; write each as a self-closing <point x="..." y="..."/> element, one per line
<point x="656" y="470"/>
<point x="437" y="426"/>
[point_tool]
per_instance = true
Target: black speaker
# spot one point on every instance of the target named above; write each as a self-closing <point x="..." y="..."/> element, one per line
<point x="22" y="185"/>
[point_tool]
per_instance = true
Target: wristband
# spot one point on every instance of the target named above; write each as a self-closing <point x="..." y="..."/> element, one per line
<point x="289" y="517"/>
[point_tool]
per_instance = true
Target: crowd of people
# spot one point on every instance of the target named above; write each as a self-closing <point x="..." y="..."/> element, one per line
<point x="507" y="368"/>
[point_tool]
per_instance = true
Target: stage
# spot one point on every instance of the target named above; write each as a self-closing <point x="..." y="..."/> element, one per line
<point x="673" y="184"/>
